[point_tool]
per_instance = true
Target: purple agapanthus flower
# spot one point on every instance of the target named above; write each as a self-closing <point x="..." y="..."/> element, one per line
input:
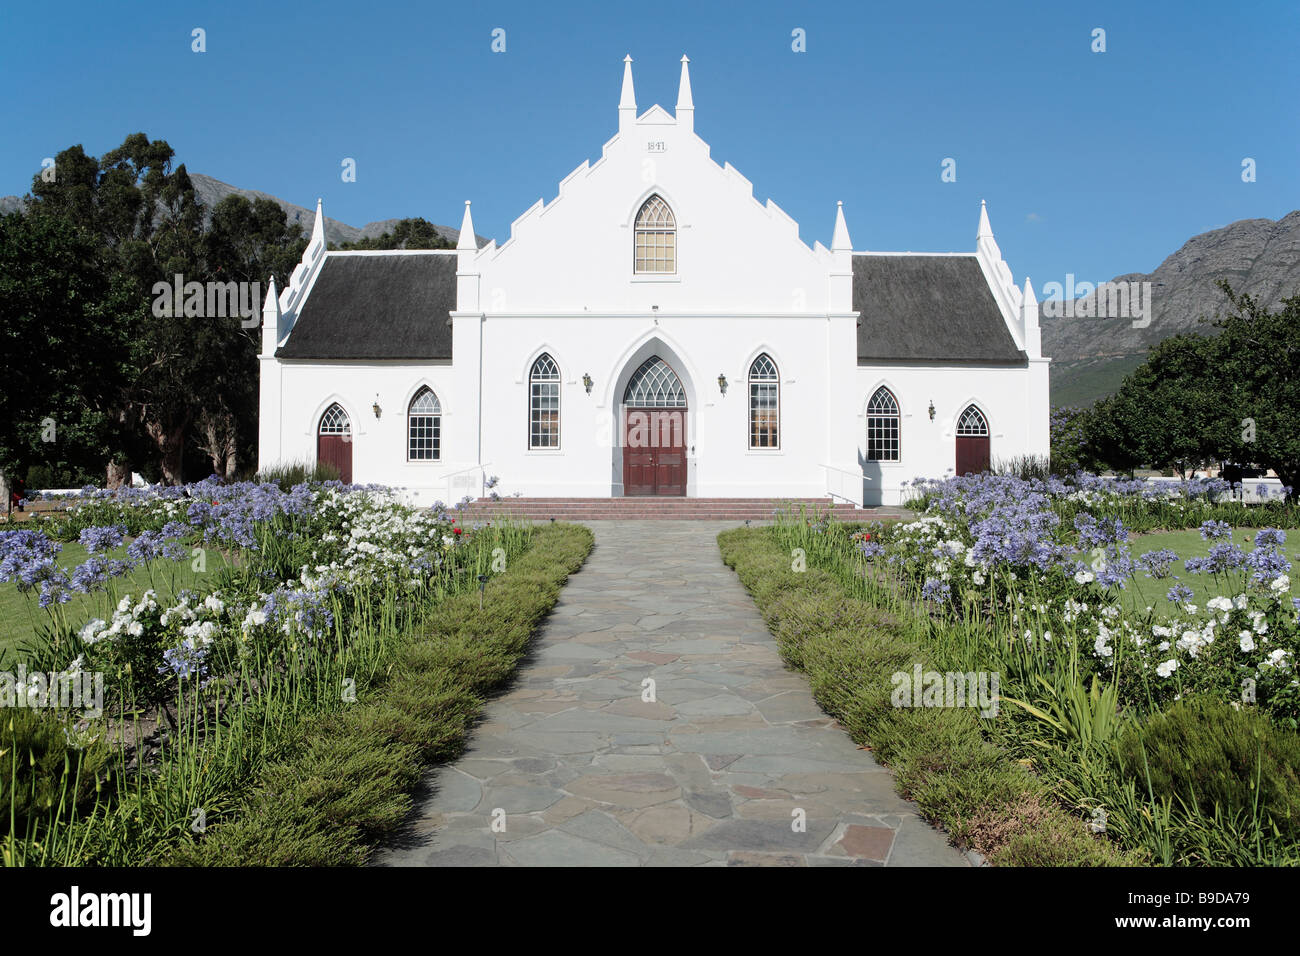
<point x="935" y="590"/>
<point x="1156" y="564"/>
<point x="1215" y="529"/>
<point x="98" y="540"/>
<point x="1180" y="594"/>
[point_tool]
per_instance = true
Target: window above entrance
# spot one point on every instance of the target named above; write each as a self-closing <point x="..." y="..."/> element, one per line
<point x="656" y="238"/>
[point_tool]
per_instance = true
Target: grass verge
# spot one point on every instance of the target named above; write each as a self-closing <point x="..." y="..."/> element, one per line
<point x="940" y="758"/>
<point x="347" y="782"/>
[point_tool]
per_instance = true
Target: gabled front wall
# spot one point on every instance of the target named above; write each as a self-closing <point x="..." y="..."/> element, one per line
<point x="564" y="284"/>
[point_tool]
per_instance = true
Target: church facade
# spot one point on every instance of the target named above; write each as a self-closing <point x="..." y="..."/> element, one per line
<point x="652" y="330"/>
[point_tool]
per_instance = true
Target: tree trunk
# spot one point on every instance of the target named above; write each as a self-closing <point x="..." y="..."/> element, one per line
<point x="170" y="440"/>
<point x="117" y="474"/>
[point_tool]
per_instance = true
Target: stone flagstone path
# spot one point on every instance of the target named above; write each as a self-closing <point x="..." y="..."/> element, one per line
<point x="582" y="771"/>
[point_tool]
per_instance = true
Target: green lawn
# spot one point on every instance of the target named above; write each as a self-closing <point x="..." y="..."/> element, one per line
<point x="1143" y="591"/>
<point x="21" y="618"/>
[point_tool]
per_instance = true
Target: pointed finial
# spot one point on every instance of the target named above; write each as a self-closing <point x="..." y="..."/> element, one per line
<point x="684" y="101"/>
<point x="985" y="230"/>
<point x="840" y="242"/>
<point x="466" y="238"/>
<point x="1030" y="298"/>
<point x="318" y="226"/>
<point x="272" y="303"/>
<point x="628" y="100"/>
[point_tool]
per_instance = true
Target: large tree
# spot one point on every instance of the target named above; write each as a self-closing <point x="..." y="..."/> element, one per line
<point x="1231" y="396"/>
<point x="63" y="352"/>
<point x="191" y="376"/>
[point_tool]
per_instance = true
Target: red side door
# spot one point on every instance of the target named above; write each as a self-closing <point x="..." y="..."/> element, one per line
<point x="336" y="450"/>
<point x="972" y="454"/>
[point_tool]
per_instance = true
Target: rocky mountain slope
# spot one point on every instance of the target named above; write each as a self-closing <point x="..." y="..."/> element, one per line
<point x="1091" y="355"/>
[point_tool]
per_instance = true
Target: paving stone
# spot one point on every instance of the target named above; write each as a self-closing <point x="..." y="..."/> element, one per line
<point x="873" y="843"/>
<point x="557" y="848"/>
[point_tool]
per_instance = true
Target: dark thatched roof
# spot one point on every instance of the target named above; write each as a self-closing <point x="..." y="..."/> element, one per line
<point x="928" y="308"/>
<point x="377" y="307"/>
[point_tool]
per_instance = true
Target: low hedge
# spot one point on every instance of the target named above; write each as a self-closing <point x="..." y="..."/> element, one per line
<point x="349" y="780"/>
<point x="940" y="758"/>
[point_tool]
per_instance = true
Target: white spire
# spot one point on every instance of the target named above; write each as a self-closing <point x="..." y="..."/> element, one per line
<point x="1030" y="300"/>
<point x="684" y="101"/>
<point x="985" y="230"/>
<point x="841" y="242"/>
<point x="627" y="102"/>
<point x="466" y="238"/>
<point x="318" y="227"/>
<point x="272" y="303"/>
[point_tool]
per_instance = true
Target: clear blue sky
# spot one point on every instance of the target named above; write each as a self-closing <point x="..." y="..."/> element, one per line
<point x="1092" y="163"/>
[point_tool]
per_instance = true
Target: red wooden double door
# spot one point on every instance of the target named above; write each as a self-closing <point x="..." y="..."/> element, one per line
<point x="654" y="451"/>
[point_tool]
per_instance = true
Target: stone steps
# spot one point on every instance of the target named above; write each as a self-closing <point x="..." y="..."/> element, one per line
<point x="666" y="509"/>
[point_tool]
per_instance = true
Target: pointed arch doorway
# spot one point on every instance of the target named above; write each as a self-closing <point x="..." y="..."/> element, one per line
<point x="654" y="432"/>
<point x="334" y="441"/>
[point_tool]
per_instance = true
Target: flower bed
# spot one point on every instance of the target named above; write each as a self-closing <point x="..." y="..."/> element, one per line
<point x="1028" y="580"/>
<point x="309" y="594"/>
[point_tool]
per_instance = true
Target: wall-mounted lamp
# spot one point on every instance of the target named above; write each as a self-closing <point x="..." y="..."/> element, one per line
<point x="587" y="382"/>
<point x="932" y="411"/>
<point x="375" y="407"/>
<point x="722" y="383"/>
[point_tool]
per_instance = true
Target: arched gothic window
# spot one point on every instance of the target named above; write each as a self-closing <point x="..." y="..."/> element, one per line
<point x="883" y="426"/>
<point x="764" y="404"/>
<point x="654" y="385"/>
<point x="656" y="237"/>
<point x="335" y="421"/>
<point x="544" y="403"/>
<point x="424" y="427"/>
<point x="972" y="423"/>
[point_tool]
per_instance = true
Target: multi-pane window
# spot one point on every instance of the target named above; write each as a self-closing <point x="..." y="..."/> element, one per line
<point x="656" y="237"/>
<point x="424" y="427"/>
<point x="544" y="403"/>
<point x="654" y="385"/>
<point x="882" y="426"/>
<point x="972" y="422"/>
<point x="335" y="421"/>
<point x="764" y="403"/>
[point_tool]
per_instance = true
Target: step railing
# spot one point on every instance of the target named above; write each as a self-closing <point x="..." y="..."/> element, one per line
<point x="844" y="484"/>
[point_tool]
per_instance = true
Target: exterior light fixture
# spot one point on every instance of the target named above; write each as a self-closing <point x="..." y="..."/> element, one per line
<point x="375" y="407"/>
<point x="722" y="383"/>
<point x="932" y="411"/>
<point x="587" y="382"/>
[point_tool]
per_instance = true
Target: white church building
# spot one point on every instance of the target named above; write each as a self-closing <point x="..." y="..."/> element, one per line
<point x="652" y="330"/>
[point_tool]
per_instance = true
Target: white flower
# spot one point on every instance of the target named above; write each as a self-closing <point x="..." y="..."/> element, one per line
<point x="1219" y="604"/>
<point x="1258" y="623"/>
<point x="93" y="631"/>
<point x="1247" y="641"/>
<point x="1240" y="601"/>
<point x="977" y="577"/>
<point x="1167" y="668"/>
<point x="1084" y="577"/>
<point x="1280" y="584"/>
<point x="255" y="617"/>
<point x="214" y="604"/>
<point x="135" y="629"/>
